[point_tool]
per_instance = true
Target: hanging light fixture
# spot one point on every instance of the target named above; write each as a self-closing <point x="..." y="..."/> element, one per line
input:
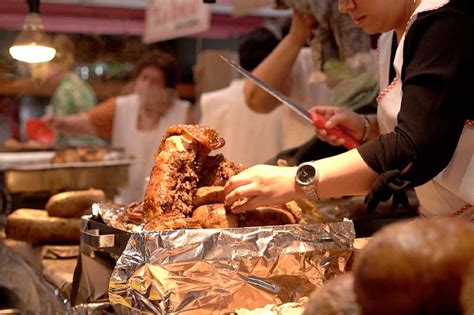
<point x="32" y="44"/>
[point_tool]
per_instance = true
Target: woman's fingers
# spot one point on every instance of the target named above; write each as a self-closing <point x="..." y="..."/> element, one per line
<point x="250" y="204"/>
<point x="241" y="192"/>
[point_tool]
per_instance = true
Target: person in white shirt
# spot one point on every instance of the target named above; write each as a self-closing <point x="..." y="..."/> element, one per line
<point x="251" y="138"/>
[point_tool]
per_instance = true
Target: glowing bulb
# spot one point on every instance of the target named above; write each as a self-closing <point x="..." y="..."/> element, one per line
<point x="32" y="53"/>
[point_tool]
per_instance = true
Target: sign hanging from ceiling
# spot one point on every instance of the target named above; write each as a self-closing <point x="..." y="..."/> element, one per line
<point x="168" y="19"/>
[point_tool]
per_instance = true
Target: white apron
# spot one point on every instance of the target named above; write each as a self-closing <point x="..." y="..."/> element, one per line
<point x="451" y="192"/>
<point x="141" y="144"/>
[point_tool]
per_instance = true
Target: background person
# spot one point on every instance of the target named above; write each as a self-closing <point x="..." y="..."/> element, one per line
<point x="71" y="95"/>
<point x="136" y="122"/>
<point x="292" y="70"/>
<point x="251" y="137"/>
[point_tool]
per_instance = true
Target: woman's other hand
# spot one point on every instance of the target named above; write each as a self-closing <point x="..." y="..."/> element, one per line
<point x="50" y="120"/>
<point x="262" y="185"/>
<point x="301" y="26"/>
<point x="348" y="121"/>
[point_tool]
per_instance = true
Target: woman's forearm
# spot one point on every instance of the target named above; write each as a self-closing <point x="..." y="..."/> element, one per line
<point x="345" y="174"/>
<point x="276" y="71"/>
<point x="78" y="124"/>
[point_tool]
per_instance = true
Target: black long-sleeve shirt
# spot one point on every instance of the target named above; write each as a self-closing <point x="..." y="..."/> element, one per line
<point x="438" y="95"/>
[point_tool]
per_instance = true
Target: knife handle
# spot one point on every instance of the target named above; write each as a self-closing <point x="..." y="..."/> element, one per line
<point x="320" y="123"/>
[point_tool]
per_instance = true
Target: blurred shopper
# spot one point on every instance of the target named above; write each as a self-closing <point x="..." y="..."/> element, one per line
<point x="136" y="122"/>
<point x="251" y="137"/>
<point x="71" y="95"/>
<point x="337" y="69"/>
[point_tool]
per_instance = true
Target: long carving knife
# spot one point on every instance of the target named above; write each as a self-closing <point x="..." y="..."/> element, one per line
<point x="312" y="117"/>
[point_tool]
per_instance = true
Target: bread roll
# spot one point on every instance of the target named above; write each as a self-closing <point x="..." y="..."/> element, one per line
<point x="415" y="267"/>
<point x="335" y="297"/>
<point x="35" y="226"/>
<point x="73" y="204"/>
<point x="215" y="217"/>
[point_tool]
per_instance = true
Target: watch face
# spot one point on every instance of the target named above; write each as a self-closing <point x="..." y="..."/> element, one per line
<point x="306" y="174"/>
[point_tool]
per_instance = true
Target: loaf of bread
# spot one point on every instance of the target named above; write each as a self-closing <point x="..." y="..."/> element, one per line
<point x="35" y="226"/>
<point x="73" y="204"/>
<point x="335" y="297"/>
<point x="415" y="268"/>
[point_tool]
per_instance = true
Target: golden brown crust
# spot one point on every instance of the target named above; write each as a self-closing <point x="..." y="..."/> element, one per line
<point x="214" y="216"/>
<point x="73" y="204"/>
<point x="206" y="136"/>
<point x="171" y="173"/>
<point x="35" y="226"/>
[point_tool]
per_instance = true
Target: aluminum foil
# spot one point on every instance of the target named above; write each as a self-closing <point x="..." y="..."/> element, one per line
<point x="216" y="271"/>
<point x="24" y="289"/>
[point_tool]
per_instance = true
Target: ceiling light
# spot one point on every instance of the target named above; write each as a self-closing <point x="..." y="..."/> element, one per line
<point x="32" y="44"/>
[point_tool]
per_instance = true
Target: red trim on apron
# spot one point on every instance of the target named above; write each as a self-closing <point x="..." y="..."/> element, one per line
<point x="470" y="123"/>
<point x="462" y="210"/>
<point x="387" y="89"/>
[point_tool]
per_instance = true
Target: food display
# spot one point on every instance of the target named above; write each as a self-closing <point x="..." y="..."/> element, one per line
<point x="186" y="187"/>
<point x="80" y="154"/>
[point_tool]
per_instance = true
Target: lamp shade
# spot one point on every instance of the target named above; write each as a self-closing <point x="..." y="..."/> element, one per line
<point x="32" y="44"/>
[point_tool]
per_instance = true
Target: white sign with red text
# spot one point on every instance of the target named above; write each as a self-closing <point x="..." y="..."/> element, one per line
<point x="168" y="19"/>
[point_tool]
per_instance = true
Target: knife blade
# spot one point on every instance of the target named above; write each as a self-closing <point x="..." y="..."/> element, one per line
<point x="276" y="94"/>
<point x="312" y="117"/>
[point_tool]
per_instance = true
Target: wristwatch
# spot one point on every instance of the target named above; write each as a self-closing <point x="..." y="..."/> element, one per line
<point x="307" y="177"/>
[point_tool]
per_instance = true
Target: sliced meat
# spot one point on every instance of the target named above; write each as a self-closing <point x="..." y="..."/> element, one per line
<point x="172" y="220"/>
<point x="208" y="195"/>
<point x="264" y="216"/>
<point x="217" y="169"/>
<point x="214" y="216"/>
<point x="135" y="213"/>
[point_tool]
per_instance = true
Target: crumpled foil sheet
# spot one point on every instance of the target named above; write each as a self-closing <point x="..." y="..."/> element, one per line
<point x="216" y="271"/>
<point x="24" y="288"/>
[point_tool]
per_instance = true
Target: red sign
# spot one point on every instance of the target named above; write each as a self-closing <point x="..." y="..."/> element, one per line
<point x="168" y="19"/>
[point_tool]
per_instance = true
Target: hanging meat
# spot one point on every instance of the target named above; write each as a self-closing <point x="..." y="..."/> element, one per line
<point x="186" y="186"/>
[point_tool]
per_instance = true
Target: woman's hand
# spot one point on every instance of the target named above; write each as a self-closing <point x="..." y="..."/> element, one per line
<point x="348" y="121"/>
<point x="301" y="26"/>
<point x="50" y="120"/>
<point x="262" y="185"/>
